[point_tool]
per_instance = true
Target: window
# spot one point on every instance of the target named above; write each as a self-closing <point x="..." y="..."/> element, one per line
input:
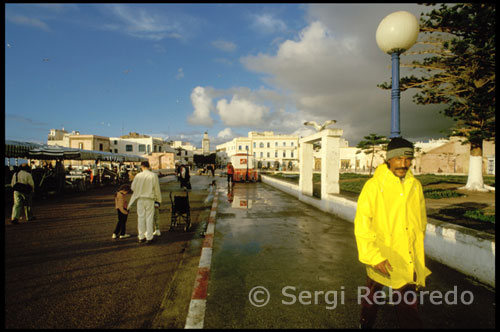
<point x="254" y="145"/>
<point x="142" y="148"/>
<point x="284" y="154"/>
<point x="255" y="154"/>
<point x="115" y="142"/>
<point x="261" y="145"/>
<point x="275" y="143"/>
<point x="262" y="154"/>
<point x="159" y="149"/>
<point x="239" y="147"/>
<point x="129" y="148"/>
<point x="291" y="144"/>
<point x="101" y="147"/>
<point x="276" y="154"/>
<point x="116" y="150"/>
<point x="149" y="148"/>
<point x="291" y="154"/>
<point x="268" y="154"/>
<point x="268" y="145"/>
<point x="284" y="143"/>
<point x="80" y="146"/>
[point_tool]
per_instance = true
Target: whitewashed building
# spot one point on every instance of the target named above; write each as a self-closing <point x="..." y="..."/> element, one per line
<point x="137" y="144"/>
<point x="270" y="150"/>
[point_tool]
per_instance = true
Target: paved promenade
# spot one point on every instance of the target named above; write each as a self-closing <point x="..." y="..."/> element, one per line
<point x="63" y="270"/>
<point x="307" y="262"/>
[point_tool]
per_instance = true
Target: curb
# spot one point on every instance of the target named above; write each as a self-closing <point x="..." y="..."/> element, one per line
<point x="197" y="306"/>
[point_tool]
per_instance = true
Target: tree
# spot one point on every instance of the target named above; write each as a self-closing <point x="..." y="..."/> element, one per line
<point x="368" y="146"/>
<point x="460" y="74"/>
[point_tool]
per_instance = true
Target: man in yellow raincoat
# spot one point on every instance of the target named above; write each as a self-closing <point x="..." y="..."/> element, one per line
<point x="390" y="226"/>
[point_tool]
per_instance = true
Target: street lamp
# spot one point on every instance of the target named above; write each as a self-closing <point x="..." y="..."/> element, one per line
<point x="396" y="33"/>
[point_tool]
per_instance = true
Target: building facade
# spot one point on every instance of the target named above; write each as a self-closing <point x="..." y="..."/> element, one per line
<point x="78" y="141"/>
<point x="137" y="144"/>
<point x="269" y="150"/>
<point x="452" y="157"/>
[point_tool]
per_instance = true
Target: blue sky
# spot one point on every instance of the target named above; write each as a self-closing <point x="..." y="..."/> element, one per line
<point x="177" y="70"/>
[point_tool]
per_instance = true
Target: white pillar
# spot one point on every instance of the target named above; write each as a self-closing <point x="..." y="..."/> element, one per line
<point x="330" y="161"/>
<point x="306" y="169"/>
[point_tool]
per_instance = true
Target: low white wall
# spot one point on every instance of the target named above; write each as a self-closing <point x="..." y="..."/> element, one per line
<point x="466" y="250"/>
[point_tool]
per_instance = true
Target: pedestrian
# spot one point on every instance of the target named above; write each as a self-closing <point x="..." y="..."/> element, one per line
<point x="390" y="227"/>
<point x="185" y="177"/>
<point x="23" y="185"/>
<point x="178" y="171"/>
<point x="122" y="210"/>
<point x="230" y="172"/>
<point x="156" y="220"/>
<point x="146" y="190"/>
<point x="212" y="169"/>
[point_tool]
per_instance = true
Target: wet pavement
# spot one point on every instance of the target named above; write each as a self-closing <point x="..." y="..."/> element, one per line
<point x="279" y="263"/>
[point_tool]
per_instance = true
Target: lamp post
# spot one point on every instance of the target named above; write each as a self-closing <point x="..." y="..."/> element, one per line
<point x="396" y="33"/>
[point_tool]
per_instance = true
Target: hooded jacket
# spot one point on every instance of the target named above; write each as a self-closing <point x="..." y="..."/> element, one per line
<point x="390" y="224"/>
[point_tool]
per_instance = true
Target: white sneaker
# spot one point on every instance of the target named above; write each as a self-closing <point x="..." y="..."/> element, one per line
<point x="124" y="236"/>
<point x="157" y="232"/>
<point x="113" y="236"/>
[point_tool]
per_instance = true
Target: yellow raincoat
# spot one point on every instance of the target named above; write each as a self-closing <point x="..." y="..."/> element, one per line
<point x="390" y="224"/>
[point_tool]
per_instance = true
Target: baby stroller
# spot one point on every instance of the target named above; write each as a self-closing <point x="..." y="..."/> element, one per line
<point x="180" y="211"/>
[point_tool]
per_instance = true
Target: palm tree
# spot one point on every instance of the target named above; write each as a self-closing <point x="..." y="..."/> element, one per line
<point x="368" y="146"/>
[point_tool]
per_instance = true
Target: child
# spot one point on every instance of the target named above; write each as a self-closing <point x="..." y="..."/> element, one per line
<point x="121" y="207"/>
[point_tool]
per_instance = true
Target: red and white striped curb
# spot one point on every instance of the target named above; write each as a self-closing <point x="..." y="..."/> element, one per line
<point x="196" y="313"/>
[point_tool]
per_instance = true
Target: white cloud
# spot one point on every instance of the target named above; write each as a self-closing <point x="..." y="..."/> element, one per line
<point x="224" y="45"/>
<point x="227" y="133"/>
<point x="202" y="103"/>
<point x="241" y="112"/>
<point x="267" y="23"/>
<point x="33" y="22"/>
<point x="147" y="22"/>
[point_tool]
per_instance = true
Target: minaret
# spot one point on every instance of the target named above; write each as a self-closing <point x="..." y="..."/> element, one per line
<point x="205" y="144"/>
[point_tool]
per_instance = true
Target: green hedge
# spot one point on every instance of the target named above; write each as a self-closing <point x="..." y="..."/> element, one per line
<point x="479" y="215"/>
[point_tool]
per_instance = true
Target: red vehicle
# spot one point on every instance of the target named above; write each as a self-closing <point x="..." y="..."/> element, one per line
<point x="244" y="164"/>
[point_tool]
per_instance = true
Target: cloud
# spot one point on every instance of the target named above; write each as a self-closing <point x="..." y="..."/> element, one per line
<point x="241" y="112"/>
<point x="202" y="103"/>
<point x="267" y="23"/>
<point x="22" y="119"/>
<point x="33" y="22"/>
<point x="224" y="45"/>
<point x="331" y="71"/>
<point x="148" y="22"/>
<point x="180" y="73"/>
<point x="227" y="133"/>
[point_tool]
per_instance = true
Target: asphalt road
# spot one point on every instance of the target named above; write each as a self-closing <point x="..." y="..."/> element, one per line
<point x="64" y="270"/>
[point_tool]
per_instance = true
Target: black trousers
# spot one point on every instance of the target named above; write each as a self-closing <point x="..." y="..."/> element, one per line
<point x="407" y="312"/>
<point x="120" y="226"/>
